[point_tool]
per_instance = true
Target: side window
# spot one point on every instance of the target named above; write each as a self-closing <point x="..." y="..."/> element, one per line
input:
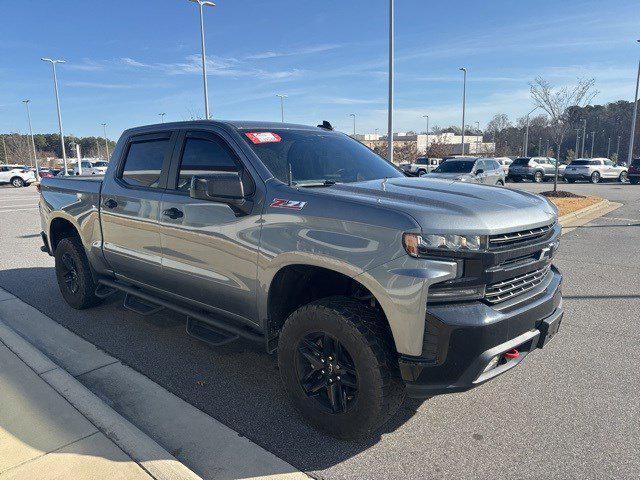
<point x="608" y="163"/>
<point x="201" y="156"/>
<point x="143" y="165"/>
<point x="86" y="164"/>
<point x="494" y="165"/>
<point x="480" y="165"/>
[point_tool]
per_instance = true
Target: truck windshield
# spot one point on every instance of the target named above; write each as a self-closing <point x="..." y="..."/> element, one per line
<point x="455" y="166"/>
<point x="317" y="158"/>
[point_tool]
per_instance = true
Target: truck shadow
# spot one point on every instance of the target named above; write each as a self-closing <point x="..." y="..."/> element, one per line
<point x="237" y="384"/>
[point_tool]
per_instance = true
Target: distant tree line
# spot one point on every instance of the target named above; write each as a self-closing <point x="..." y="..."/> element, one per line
<point x="16" y="147"/>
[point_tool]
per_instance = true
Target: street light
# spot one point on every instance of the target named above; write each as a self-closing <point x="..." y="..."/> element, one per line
<point x="584" y="134"/>
<point x="634" y="117"/>
<point x="609" y="148"/>
<point x="618" y="150"/>
<point x="539" y="146"/>
<point x="464" y="101"/>
<point x="354" y="123"/>
<point x="593" y="139"/>
<point x="390" y="106"/>
<point x="201" y="5"/>
<point x="575" y="153"/>
<point x="33" y="143"/>
<point x="106" y="143"/>
<point x="526" y="135"/>
<point x="282" y="97"/>
<point x="427" y="117"/>
<point x="477" y="138"/>
<point x="162" y="117"/>
<point x="55" y="88"/>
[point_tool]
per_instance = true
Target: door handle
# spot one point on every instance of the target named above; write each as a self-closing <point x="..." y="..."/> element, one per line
<point x="173" y="213"/>
<point x="110" y="203"/>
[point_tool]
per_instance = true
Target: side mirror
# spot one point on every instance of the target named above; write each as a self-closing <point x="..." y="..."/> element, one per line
<point x="479" y="171"/>
<point x="222" y="187"/>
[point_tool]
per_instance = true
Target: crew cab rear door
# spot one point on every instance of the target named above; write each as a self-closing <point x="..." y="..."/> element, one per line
<point x="210" y="251"/>
<point x="130" y="206"/>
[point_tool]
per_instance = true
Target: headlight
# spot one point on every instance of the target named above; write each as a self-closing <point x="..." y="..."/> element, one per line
<point x="417" y="245"/>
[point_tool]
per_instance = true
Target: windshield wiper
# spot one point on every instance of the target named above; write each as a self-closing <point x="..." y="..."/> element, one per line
<point x="324" y="183"/>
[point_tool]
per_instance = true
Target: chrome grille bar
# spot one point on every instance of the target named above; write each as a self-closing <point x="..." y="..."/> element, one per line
<point x="506" y="289"/>
<point x="524" y="235"/>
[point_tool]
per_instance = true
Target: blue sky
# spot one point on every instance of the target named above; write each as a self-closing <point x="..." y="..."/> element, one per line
<point x="130" y="60"/>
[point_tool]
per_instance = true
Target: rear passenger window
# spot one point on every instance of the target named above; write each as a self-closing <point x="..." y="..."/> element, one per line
<point x="143" y="165"/>
<point x="202" y="156"/>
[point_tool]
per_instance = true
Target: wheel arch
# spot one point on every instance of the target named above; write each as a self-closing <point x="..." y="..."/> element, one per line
<point x="59" y="228"/>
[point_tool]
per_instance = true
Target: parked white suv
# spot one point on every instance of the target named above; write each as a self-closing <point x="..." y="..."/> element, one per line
<point x="17" y="175"/>
<point x="594" y="170"/>
<point x="420" y="166"/>
<point x="91" y="168"/>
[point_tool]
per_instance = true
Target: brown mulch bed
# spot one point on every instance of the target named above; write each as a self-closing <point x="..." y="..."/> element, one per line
<point x="571" y="202"/>
<point x="560" y="194"/>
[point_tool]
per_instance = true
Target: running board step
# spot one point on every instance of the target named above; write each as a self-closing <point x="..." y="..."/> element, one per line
<point x="139" y="306"/>
<point x="103" y="291"/>
<point x="208" y="333"/>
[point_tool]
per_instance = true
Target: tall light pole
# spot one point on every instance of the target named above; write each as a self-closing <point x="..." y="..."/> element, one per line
<point x="477" y="138"/>
<point x="464" y="101"/>
<point x="618" y="150"/>
<point x="539" y="146"/>
<point x="593" y="139"/>
<point x="161" y="115"/>
<point x="427" y="143"/>
<point x="390" y="106"/>
<point x="55" y="88"/>
<point x="282" y="97"/>
<point x="106" y="142"/>
<point x="201" y="5"/>
<point x="33" y="143"/>
<point x="633" y="118"/>
<point x="575" y="153"/>
<point x="4" y="148"/>
<point x="609" y="148"/>
<point x="584" y="134"/>
<point x="526" y="136"/>
<point x="354" y="123"/>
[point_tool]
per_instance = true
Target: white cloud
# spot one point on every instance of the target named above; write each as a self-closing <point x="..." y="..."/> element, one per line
<point x="299" y="51"/>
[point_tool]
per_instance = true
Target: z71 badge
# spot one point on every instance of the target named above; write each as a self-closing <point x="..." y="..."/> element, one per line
<point x="288" y="204"/>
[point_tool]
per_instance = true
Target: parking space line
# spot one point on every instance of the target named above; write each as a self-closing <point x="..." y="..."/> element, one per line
<point x="18" y="209"/>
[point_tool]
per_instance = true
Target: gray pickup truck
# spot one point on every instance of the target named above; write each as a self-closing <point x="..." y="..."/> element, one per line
<point x="369" y="285"/>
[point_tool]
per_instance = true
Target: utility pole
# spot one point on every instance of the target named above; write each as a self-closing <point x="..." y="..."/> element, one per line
<point x="55" y="88"/>
<point x="577" y="143"/>
<point x="4" y="148"/>
<point x="282" y="97"/>
<point x="478" y="138"/>
<point x="354" y="123"/>
<point x="201" y="5"/>
<point x="633" y="119"/>
<point x="618" y="149"/>
<point x="464" y="101"/>
<point x="539" y="146"/>
<point x="593" y="139"/>
<point x="390" y="107"/>
<point x="33" y="143"/>
<point x="162" y="117"/>
<point x="609" y="148"/>
<point x="106" y="142"/>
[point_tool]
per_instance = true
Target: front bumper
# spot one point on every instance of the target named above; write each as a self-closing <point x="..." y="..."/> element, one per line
<point x="461" y="340"/>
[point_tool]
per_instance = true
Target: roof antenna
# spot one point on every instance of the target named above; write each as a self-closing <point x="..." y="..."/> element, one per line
<point x="290" y="174"/>
<point x="325" y="125"/>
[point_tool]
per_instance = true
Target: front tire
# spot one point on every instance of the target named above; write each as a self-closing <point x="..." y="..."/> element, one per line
<point x="17" y="182"/>
<point x="74" y="276"/>
<point x="595" y="177"/>
<point x="623" y="177"/>
<point x="538" y="177"/>
<point x="338" y="365"/>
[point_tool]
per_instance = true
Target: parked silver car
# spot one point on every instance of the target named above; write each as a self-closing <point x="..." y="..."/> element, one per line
<point x="537" y="169"/>
<point x="594" y="170"/>
<point x="485" y="171"/>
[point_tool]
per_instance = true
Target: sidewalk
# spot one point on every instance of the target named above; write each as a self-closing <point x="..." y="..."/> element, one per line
<point x="42" y="436"/>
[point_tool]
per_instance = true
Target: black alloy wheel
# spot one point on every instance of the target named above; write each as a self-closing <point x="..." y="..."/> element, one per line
<point x="326" y="372"/>
<point x="69" y="272"/>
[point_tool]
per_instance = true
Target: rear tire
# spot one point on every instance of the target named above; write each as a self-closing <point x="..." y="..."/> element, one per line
<point x="538" y="177"/>
<point x="595" y="177"/>
<point x="623" y="177"/>
<point x="73" y="272"/>
<point x="17" y="182"/>
<point x="366" y="389"/>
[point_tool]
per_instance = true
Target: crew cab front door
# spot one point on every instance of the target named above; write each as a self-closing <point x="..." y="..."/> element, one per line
<point x="130" y="206"/>
<point x="209" y="251"/>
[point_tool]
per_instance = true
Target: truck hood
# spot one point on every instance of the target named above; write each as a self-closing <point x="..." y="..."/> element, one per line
<point x="443" y="206"/>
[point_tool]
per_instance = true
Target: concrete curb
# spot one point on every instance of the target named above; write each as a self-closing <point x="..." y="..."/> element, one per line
<point x="151" y="457"/>
<point x="580" y="217"/>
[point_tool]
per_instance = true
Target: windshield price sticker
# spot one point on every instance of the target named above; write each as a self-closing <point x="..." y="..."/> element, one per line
<point x="263" y="137"/>
<point x="288" y="204"/>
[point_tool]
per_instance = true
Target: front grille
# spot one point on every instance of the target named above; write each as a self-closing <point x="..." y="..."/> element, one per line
<point x="510" y="239"/>
<point x="506" y="289"/>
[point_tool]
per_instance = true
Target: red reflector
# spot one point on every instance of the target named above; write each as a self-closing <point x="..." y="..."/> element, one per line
<point x="511" y="354"/>
<point x="263" y="137"/>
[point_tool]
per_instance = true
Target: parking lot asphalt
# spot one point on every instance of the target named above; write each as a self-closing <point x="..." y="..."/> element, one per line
<point x="569" y="411"/>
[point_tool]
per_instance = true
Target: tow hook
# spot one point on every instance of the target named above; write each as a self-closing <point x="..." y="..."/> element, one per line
<point x="511" y="354"/>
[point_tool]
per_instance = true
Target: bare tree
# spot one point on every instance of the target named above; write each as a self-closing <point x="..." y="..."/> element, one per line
<point x="18" y="149"/>
<point x="556" y="102"/>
